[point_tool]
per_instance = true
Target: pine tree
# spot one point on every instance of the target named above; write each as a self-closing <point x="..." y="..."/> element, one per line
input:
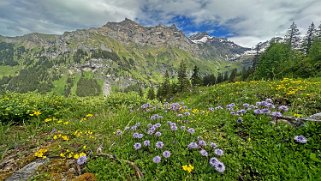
<point x="225" y="77"/>
<point x="151" y="93"/>
<point x="309" y="38"/>
<point x="209" y="80"/>
<point x="256" y="56"/>
<point x="292" y="37"/>
<point x="318" y="33"/>
<point x="166" y="86"/>
<point x="183" y="81"/>
<point x="219" y="78"/>
<point x="233" y="75"/>
<point x="196" y="79"/>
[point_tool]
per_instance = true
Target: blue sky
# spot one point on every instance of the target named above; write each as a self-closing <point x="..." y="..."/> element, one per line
<point x="245" y="22"/>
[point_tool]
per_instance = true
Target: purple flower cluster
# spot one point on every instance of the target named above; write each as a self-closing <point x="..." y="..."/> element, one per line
<point x="175" y="106"/>
<point x="203" y="152"/>
<point x="211" y="109"/>
<point x="137" y="146"/>
<point x="137" y="135"/>
<point x="193" y="145"/>
<point x="81" y="160"/>
<point x="159" y="144"/>
<point x="145" y="106"/>
<point x="218" y="152"/>
<point x="276" y="114"/>
<point x="156" y="117"/>
<point x="218" y="166"/>
<point x="146" y="143"/>
<point x="283" y="108"/>
<point x="191" y="130"/>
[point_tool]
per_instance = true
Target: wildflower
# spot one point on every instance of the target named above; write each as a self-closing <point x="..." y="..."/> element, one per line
<point x="133" y="127"/>
<point x="157" y="125"/>
<point x="166" y="154"/>
<point x="179" y="115"/>
<point x="258" y="104"/>
<point x="159" y="144"/>
<point x="191" y="130"/>
<point x="135" y="135"/>
<point x="242" y="111"/>
<point x="41" y="153"/>
<point x="119" y="132"/>
<point x="187" y="113"/>
<point x="146" y="143"/>
<point x="65" y="137"/>
<point x="48" y="120"/>
<point x="175" y="107"/>
<point x="55" y="137"/>
<point x="246" y="105"/>
<point x="219" y="166"/>
<point x="62" y="155"/>
<point x="283" y="108"/>
<point x="140" y="136"/>
<point x="269" y="100"/>
<point x="192" y="145"/>
<point x="218" y="107"/>
<point x="145" y="106"/>
<point x="300" y="139"/>
<point x="81" y="160"/>
<point x="213" y="145"/>
<point x="276" y="114"/>
<point x="157" y="159"/>
<point x="201" y="143"/>
<point x="76" y="156"/>
<point x="158" y="134"/>
<point x="213" y="161"/>
<point x="239" y="120"/>
<point x="218" y="152"/>
<point x="211" y="109"/>
<point x="155" y="117"/>
<point x="297" y="115"/>
<point x="36" y="113"/>
<point x="174" y="127"/>
<point x="137" y="146"/>
<point x="149" y="125"/>
<point x="189" y="168"/>
<point x="265" y="111"/>
<point x="204" y="152"/>
<point x="183" y="127"/>
<point x="257" y="111"/>
<point x="89" y="115"/>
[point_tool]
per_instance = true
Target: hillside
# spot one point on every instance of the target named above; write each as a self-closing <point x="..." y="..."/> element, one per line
<point x="223" y="132"/>
<point x="109" y="58"/>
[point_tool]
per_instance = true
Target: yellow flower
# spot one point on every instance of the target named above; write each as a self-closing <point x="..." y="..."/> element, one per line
<point x="82" y="154"/>
<point x="62" y="155"/>
<point x="40" y="153"/>
<point x="297" y="115"/>
<point x="65" y="138"/>
<point x="76" y="156"/>
<point x="70" y="155"/>
<point x="36" y="113"/>
<point x="66" y="123"/>
<point x="89" y="115"/>
<point x="84" y="147"/>
<point x="48" y="120"/>
<point x="31" y="115"/>
<point x="60" y="121"/>
<point x="189" y="168"/>
<point x="55" y="137"/>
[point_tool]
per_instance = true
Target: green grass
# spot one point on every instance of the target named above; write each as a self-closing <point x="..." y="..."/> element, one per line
<point x="9" y="70"/>
<point x="255" y="149"/>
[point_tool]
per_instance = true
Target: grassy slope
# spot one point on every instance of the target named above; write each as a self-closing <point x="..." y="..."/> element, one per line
<point x="8" y="70"/>
<point x="255" y="149"/>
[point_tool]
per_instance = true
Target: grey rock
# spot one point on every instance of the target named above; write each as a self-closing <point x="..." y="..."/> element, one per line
<point x="27" y="171"/>
<point x="316" y="116"/>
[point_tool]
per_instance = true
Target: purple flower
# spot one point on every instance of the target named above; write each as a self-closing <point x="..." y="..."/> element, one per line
<point x="187" y="113"/>
<point x="126" y="128"/>
<point x="283" y="108"/>
<point x="119" y="132"/>
<point x="146" y="143"/>
<point x="173" y="127"/>
<point x="246" y="105"/>
<point x="155" y="117"/>
<point x="81" y="160"/>
<point x="159" y="144"/>
<point x="239" y="120"/>
<point x="258" y="103"/>
<point x="175" y="107"/>
<point x="201" y="143"/>
<point x="157" y="159"/>
<point x="191" y="130"/>
<point x="211" y="109"/>
<point x="166" y="154"/>
<point x="265" y="111"/>
<point x="158" y="134"/>
<point x="213" y="145"/>
<point x="269" y="100"/>
<point x="135" y="135"/>
<point x="300" y="139"/>
<point x="218" y="152"/>
<point x="145" y="106"/>
<point x="264" y="103"/>
<point x="133" y="127"/>
<point x="137" y="146"/>
<point x="140" y="136"/>
<point x="276" y="114"/>
<point x="204" y="152"/>
<point x="192" y="145"/>
<point x="242" y="111"/>
<point x="213" y="161"/>
<point x="158" y="125"/>
<point x="219" y="166"/>
<point x="257" y="111"/>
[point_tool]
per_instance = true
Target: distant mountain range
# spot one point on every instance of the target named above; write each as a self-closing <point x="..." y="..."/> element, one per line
<point x="116" y="56"/>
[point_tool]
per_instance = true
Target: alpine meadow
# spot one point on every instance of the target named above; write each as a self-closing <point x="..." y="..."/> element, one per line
<point x="160" y="90"/>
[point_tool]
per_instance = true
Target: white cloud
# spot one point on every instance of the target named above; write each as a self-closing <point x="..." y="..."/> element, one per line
<point x="249" y="20"/>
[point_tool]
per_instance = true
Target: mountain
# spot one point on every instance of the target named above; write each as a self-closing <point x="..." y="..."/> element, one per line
<point x="116" y="56"/>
